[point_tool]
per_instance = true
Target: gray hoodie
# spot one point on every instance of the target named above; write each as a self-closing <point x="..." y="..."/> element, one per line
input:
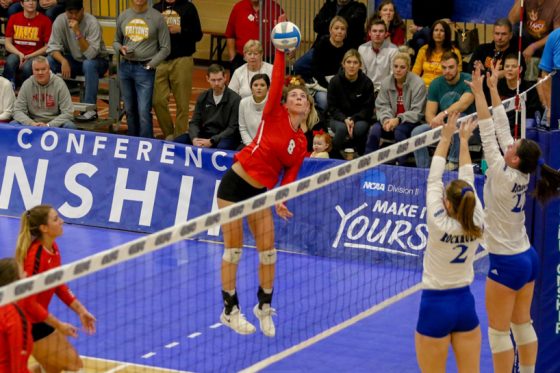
<point x="50" y="103"/>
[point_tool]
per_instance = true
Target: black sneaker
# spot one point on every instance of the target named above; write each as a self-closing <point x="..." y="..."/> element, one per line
<point x="87" y="116"/>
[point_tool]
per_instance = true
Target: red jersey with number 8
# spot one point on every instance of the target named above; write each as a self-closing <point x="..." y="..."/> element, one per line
<point x="277" y="146"/>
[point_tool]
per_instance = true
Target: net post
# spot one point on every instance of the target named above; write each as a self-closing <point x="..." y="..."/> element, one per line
<point x="545" y="235"/>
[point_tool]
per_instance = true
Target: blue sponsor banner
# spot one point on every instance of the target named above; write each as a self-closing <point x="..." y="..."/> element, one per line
<point x="146" y="185"/>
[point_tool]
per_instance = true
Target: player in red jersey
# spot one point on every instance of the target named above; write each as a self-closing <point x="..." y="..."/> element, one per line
<point x="278" y="147"/>
<point x="38" y="253"/>
<point x="16" y="342"/>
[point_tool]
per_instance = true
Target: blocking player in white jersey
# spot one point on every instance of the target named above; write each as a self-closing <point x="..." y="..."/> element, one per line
<point x="513" y="261"/>
<point x="455" y="224"/>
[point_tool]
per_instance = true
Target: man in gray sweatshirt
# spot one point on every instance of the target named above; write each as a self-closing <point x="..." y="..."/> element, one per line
<point x="76" y="47"/>
<point x="43" y="99"/>
<point x="142" y="39"/>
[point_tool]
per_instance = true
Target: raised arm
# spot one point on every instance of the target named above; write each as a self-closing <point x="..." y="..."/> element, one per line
<point x="501" y="121"/>
<point x="465" y="163"/>
<point x="276" y="84"/>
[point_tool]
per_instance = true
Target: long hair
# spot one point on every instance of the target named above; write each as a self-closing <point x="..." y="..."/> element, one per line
<point x="31" y="220"/>
<point x="397" y="21"/>
<point x="446" y="45"/>
<point x="9" y="271"/>
<point x="548" y="185"/>
<point x="462" y="197"/>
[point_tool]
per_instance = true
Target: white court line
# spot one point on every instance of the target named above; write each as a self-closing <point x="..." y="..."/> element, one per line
<point x="194" y="335"/>
<point x="345" y="324"/>
<point x="376" y="248"/>
<point x="139" y="367"/>
<point x="216" y="325"/>
<point x="148" y="355"/>
<point x="116" y="369"/>
<point x="171" y="345"/>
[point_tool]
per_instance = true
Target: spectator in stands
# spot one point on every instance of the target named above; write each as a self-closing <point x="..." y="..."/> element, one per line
<point x="327" y="57"/>
<point x="377" y="54"/>
<point x="447" y="93"/>
<point x="50" y="8"/>
<point x="350" y="109"/>
<point x="253" y="54"/>
<point x="27" y="35"/>
<point x="550" y="61"/>
<point x="215" y="121"/>
<point x="424" y="14"/>
<point x="175" y="73"/>
<point x="488" y="54"/>
<point x="428" y="61"/>
<point x="399" y="105"/>
<point x="251" y="107"/>
<point x="541" y="17"/>
<point x="507" y="88"/>
<point x="355" y="14"/>
<point x="142" y="39"/>
<point x="7" y="100"/>
<point x="76" y="47"/>
<point x="44" y="99"/>
<point x="6" y="8"/>
<point x="395" y="25"/>
<point x="243" y="25"/>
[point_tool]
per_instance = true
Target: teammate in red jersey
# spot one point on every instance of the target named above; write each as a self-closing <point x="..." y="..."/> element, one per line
<point x="278" y="147"/>
<point x="38" y="253"/>
<point x="16" y="342"/>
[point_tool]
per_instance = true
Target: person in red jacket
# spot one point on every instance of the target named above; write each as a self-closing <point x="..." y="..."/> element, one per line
<point x="16" y="342"/>
<point x="38" y="252"/>
<point x="279" y="147"/>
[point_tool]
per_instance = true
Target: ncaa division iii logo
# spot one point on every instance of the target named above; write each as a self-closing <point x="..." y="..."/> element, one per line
<point x="373" y="182"/>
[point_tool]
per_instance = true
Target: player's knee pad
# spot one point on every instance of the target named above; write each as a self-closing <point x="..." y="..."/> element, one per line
<point x="523" y="333"/>
<point x="267" y="257"/>
<point x="499" y="341"/>
<point x="232" y="255"/>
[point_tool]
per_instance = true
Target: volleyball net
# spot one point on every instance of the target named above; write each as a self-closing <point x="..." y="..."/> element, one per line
<point x="354" y="245"/>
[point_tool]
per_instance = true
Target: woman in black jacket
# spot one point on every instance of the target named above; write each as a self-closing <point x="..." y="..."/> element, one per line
<point x="350" y="104"/>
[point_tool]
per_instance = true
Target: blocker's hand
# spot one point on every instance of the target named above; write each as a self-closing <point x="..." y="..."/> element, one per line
<point x="283" y="211"/>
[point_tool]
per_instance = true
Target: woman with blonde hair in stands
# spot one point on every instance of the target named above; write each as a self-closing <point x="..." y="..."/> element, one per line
<point x="455" y="225"/>
<point x="240" y="82"/>
<point x="428" y="61"/>
<point x="38" y="252"/>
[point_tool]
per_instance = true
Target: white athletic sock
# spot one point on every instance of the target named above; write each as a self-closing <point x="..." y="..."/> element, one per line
<point x="230" y="292"/>
<point x="526" y="369"/>
<point x="267" y="291"/>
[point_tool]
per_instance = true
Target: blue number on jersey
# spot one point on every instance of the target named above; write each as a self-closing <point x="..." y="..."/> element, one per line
<point x="520" y="204"/>
<point x="462" y="257"/>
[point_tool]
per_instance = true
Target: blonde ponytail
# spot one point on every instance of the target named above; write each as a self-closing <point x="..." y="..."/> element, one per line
<point x="31" y="220"/>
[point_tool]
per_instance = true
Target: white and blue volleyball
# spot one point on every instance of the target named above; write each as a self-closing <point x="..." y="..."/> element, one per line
<point x="285" y="36"/>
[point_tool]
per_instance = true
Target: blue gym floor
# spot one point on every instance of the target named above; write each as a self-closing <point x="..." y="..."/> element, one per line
<point x="163" y="309"/>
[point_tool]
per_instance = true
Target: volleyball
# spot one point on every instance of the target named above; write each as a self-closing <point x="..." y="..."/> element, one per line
<point x="285" y="36"/>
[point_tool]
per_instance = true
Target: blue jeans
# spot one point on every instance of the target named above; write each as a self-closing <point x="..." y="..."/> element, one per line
<point x="92" y="70"/>
<point x="400" y="133"/>
<point x="51" y="12"/>
<point x="137" y="86"/>
<point x="303" y="65"/>
<point x="11" y="69"/>
<point x="321" y="101"/>
<point x="423" y="157"/>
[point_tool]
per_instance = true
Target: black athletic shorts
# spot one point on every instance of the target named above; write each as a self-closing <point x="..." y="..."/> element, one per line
<point x="234" y="189"/>
<point x="41" y="330"/>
